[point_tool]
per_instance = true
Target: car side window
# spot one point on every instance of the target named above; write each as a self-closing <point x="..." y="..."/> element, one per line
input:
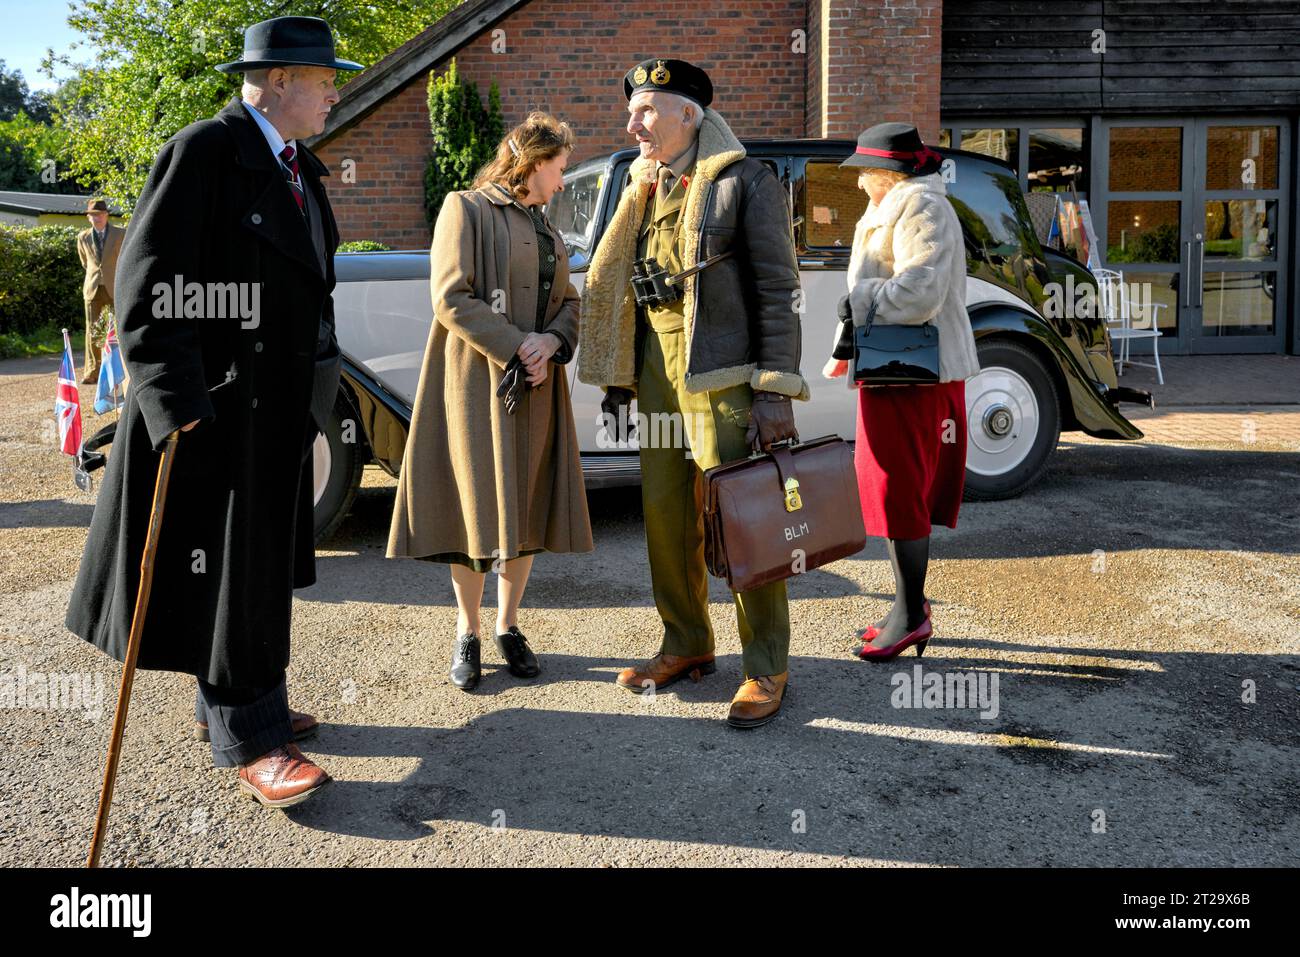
<point x="574" y="212"/>
<point x="830" y="204"/>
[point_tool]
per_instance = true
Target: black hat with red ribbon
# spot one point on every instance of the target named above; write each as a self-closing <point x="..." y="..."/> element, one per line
<point x="895" y="146"/>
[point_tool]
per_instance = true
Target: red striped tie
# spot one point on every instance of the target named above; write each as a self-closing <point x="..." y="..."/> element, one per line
<point x="290" y="160"/>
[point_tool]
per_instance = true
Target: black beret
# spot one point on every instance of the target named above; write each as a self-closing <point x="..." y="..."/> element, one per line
<point x="670" y="76"/>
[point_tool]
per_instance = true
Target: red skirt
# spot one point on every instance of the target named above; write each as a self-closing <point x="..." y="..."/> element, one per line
<point x="911" y="457"/>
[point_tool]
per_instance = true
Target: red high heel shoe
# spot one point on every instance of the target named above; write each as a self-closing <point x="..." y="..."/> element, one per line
<point x="920" y="637"/>
<point x="870" y="632"/>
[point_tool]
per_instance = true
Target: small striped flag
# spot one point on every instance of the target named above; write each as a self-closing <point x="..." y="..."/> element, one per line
<point x="67" y="402"/>
<point x="111" y="373"/>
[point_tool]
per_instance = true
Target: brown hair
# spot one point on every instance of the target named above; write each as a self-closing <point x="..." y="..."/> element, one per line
<point x="537" y="139"/>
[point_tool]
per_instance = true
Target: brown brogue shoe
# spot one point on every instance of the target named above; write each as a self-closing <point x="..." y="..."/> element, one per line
<point x="662" y="670"/>
<point x="281" y="777"/>
<point x="757" y="700"/>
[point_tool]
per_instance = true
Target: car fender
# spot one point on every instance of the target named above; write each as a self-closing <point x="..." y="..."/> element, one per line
<point x="1087" y="408"/>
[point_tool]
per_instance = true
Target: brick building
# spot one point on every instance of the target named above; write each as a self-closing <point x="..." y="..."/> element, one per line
<point x="779" y="67"/>
<point x="1174" y="119"/>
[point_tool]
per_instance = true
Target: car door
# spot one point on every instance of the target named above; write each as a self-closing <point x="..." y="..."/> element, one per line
<point x="827" y="205"/>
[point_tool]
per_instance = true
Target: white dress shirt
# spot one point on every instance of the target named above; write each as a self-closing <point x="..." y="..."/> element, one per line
<point x="273" y="137"/>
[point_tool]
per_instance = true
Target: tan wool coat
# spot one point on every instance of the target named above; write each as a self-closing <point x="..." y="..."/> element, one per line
<point x="475" y="479"/>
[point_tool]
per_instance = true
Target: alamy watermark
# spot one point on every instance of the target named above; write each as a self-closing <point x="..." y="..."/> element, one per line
<point x="53" y="691"/>
<point x="960" y="690"/>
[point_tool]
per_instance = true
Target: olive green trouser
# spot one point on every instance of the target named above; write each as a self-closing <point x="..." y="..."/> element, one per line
<point x="672" y="484"/>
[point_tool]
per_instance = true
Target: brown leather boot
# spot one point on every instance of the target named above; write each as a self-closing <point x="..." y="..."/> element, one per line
<point x="303" y="725"/>
<point x="757" y="701"/>
<point x="281" y="777"/>
<point x="663" y="669"/>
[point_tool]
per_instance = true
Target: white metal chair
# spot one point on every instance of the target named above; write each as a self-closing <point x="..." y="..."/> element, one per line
<point x="1117" y="308"/>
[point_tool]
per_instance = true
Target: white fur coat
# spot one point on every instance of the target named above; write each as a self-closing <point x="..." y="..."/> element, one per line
<point x="908" y="255"/>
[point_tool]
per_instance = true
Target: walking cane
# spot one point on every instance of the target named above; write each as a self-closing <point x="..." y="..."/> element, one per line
<point x="132" y="647"/>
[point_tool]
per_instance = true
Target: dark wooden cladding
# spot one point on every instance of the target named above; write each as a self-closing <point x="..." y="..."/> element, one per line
<point x="1013" y="56"/>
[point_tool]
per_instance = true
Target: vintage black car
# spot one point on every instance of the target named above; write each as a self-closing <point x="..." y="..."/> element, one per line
<point x="1043" y="370"/>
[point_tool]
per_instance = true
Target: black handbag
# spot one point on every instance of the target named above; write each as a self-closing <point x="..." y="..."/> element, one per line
<point x="888" y="354"/>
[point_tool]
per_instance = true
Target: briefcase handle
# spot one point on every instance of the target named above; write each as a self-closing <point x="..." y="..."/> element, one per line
<point x="787" y="473"/>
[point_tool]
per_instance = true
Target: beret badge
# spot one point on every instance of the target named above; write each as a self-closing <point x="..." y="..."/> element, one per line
<point x="660" y="76"/>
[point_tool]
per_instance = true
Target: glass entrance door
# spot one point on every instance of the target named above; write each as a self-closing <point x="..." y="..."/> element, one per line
<point x="1193" y="213"/>
<point x="1237" y="235"/>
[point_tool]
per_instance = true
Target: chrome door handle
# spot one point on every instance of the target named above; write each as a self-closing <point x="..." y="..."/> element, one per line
<point x="1187" y="292"/>
<point x="1200" y="271"/>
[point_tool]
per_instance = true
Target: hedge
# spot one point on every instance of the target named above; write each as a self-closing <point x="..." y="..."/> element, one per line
<point x="40" y="278"/>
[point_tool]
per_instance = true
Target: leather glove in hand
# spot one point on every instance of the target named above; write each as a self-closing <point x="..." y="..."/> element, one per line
<point x="771" y="419"/>
<point x="843" y="348"/>
<point x="514" y="383"/>
<point x="616" y="401"/>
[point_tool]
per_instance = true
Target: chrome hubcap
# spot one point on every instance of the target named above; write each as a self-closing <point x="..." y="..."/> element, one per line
<point x="1002" y="418"/>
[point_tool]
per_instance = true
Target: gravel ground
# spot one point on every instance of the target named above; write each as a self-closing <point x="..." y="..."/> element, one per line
<point x="1123" y="604"/>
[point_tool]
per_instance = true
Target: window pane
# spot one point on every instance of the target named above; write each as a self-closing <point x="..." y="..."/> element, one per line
<point x="1152" y="295"/>
<point x="1004" y="144"/>
<point x="1142" y="231"/>
<point x="1057" y="161"/>
<point x="1241" y="157"/>
<point x="832" y="204"/>
<point x="1146" y="158"/>
<point x="945" y="137"/>
<point x="1238" y="303"/>
<point x="1241" y="229"/>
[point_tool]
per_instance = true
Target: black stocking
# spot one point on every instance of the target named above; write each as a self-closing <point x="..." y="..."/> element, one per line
<point x="910" y="558"/>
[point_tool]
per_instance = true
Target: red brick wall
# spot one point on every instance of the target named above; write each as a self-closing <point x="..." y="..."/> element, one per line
<point x="388" y="149"/>
<point x="569" y="56"/>
<point x="882" y="64"/>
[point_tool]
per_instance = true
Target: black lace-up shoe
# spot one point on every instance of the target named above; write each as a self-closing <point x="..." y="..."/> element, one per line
<point x="520" y="659"/>
<point x="465" y="666"/>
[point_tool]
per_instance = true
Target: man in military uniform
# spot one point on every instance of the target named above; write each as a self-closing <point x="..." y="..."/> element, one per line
<point x="719" y="354"/>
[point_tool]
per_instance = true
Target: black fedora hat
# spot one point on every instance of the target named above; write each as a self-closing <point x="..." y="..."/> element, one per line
<point x="288" y="41"/>
<point x="895" y="146"/>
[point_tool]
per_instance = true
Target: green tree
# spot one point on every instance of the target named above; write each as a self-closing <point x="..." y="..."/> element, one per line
<point x="150" y="70"/>
<point x="465" y="136"/>
<point x="33" y="157"/>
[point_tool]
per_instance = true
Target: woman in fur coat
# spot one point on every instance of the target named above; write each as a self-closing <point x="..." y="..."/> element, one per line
<point x="909" y="259"/>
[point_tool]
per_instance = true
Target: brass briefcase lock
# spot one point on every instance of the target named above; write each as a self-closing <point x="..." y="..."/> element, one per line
<point x="792" y="500"/>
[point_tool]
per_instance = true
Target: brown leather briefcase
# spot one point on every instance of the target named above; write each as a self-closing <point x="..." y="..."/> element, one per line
<point x="781" y="513"/>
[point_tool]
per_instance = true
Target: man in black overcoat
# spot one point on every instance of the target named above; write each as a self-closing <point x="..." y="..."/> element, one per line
<point x="226" y="324"/>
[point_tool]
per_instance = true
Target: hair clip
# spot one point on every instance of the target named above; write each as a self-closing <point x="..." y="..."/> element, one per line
<point x="514" y="149"/>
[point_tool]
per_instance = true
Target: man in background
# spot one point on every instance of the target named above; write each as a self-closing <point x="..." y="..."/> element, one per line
<point x="98" y="247"/>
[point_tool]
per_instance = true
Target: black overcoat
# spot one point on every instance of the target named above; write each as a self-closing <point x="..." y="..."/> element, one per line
<point x="237" y="533"/>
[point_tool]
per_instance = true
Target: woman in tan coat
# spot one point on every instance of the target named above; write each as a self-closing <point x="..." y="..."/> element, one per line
<point x="485" y="485"/>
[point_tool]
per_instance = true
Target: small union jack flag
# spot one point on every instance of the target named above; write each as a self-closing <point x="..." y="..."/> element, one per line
<point x="67" y="402"/>
<point x="111" y="373"/>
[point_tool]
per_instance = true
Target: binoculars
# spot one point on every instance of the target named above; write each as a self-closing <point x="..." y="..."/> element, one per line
<point x="651" y="284"/>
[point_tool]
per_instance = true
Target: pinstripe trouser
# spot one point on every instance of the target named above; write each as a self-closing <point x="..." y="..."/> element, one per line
<point x="243" y="723"/>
